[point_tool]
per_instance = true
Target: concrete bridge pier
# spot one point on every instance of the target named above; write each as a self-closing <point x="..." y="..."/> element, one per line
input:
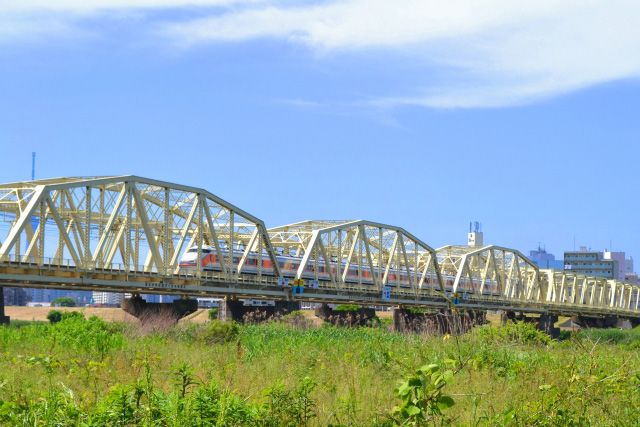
<point x="4" y="320"/>
<point x="442" y="322"/>
<point x="597" y="322"/>
<point x="157" y="312"/>
<point x="360" y="317"/>
<point x="233" y="309"/>
<point x="544" y="323"/>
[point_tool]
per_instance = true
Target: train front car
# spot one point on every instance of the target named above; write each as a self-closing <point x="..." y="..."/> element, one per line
<point x="208" y="261"/>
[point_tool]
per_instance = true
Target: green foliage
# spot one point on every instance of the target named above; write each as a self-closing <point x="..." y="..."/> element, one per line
<point x="93" y="373"/>
<point x="615" y="336"/>
<point x="63" y="302"/>
<point x="422" y="397"/>
<point x="521" y="332"/>
<point x="219" y="332"/>
<point x="347" y="307"/>
<point x="213" y="314"/>
<point x="288" y="407"/>
<point x="54" y="316"/>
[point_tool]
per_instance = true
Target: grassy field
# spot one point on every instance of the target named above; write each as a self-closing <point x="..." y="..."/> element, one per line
<point x="94" y="372"/>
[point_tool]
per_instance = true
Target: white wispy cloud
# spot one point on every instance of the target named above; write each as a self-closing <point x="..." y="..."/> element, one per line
<point x="502" y="52"/>
<point x="487" y="52"/>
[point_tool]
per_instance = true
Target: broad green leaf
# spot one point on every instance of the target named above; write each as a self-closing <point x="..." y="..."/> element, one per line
<point x="445" y="402"/>
<point x="413" y="410"/>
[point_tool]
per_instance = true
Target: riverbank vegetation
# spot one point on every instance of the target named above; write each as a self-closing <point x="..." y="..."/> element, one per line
<point x="91" y="372"/>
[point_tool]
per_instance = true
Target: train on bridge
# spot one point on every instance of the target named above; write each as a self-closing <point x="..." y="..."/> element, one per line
<point x="289" y="265"/>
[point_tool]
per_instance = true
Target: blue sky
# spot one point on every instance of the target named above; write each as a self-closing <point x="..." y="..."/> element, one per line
<point x="425" y="115"/>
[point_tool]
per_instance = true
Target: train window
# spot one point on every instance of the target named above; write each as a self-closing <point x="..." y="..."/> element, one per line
<point x="281" y="264"/>
<point x="235" y="259"/>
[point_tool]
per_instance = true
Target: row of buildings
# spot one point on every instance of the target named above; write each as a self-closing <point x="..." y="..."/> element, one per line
<point x="607" y="264"/>
<point x="41" y="296"/>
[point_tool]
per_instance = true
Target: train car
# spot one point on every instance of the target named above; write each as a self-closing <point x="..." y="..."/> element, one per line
<point x="289" y="266"/>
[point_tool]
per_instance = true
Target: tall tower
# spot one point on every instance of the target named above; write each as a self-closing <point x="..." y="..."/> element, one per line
<point x="475" y="234"/>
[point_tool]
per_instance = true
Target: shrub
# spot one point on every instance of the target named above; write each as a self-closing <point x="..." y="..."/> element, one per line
<point x="347" y="307"/>
<point x="66" y="315"/>
<point x="64" y="302"/>
<point x="218" y="332"/>
<point x="54" y="316"/>
<point x="213" y="314"/>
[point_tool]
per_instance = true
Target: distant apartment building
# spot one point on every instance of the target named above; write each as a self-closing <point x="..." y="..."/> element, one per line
<point x="108" y="298"/>
<point x="15" y="296"/>
<point x="591" y="263"/>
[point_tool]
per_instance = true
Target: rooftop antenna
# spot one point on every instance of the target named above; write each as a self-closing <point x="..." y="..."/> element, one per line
<point x="33" y="166"/>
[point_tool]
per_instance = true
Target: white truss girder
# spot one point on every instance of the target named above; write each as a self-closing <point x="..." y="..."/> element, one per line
<point x="373" y="247"/>
<point x="142" y="224"/>
<point x="479" y="270"/>
<point x="120" y="231"/>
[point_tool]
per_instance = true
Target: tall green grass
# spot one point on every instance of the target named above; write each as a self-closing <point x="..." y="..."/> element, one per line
<point x="90" y="373"/>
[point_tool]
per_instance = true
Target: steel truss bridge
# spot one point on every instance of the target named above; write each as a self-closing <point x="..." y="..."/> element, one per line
<point x="127" y="234"/>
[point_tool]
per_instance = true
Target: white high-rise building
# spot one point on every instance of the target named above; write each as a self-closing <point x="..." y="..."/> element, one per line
<point x="621" y="266"/>
<point x="111" y="298"/>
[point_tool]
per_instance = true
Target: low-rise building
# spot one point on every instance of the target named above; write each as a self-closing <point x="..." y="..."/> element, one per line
<point x="591" y="263"/>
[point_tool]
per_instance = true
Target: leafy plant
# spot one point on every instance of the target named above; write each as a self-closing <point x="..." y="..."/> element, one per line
<point x="422" y="397"/>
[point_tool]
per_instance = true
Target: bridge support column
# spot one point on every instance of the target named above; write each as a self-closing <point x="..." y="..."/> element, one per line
<point x="286" y="307"/>
<point x="442" y="322"/>
<point x="4" y="320"/>
<point x="596" y="322"/>
<point x="360" y="317"/>
<point x="546" y="324"/>
<point x="156" y="312"/>
<point x="235" y="310"/>
<point x="508" y="316"/>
